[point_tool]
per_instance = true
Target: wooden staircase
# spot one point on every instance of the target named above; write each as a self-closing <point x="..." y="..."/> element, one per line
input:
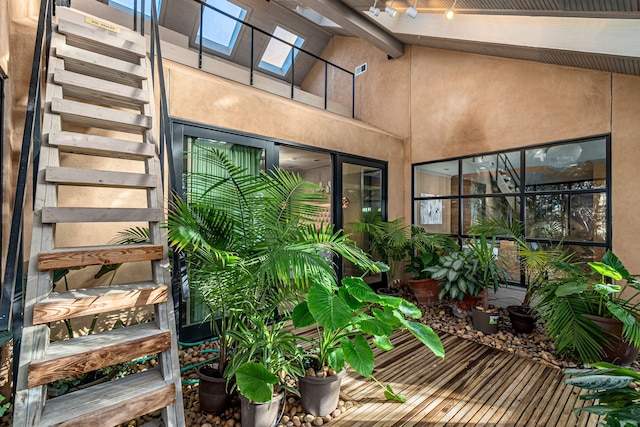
<point x="99" y="106"/>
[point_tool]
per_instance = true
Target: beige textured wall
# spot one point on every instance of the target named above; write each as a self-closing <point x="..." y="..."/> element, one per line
<point x="625" y="171"/>
<point x="382" y="94"/>
<point x="464" y="104"/>
<point x="234" y="106"/>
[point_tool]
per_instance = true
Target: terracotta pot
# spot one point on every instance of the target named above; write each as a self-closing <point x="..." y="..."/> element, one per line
<point x="425" y="290"/>
<point x="212" y="393"/>
<point x="485" y="321"/>
<point x="462" y="309"/>
<point x="618" y="351"/>
<point x="319" y="396"/>
<point x="260" y="414"/>
<point x="521" y="319"/>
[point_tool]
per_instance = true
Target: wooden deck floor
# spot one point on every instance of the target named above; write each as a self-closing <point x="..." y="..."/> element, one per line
<point x="475" y="385"/>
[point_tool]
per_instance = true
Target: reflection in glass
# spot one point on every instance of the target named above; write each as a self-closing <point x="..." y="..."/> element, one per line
<point x="575" y="166"/>
<point x="491" y="174"/>
<point x="362" y="187"/>
<point x="580" y="217"/>
<point x="489" y="208"/>
<point x="436" y="179"/>
<point x="437" y="215"/>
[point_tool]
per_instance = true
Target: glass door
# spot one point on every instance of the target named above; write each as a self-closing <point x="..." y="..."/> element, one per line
<point x="361" y="196"/>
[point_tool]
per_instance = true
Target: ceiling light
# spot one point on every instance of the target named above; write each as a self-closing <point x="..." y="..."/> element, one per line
<point x="449" y="14"/>
<point x="390" y="10"/>
<point x="375" y="10"/>
<point x="412" y="12"/>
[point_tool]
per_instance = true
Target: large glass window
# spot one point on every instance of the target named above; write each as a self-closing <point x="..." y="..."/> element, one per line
<point x="558" y="191"/>
<point x="129" y="5"/>
<point x="278" y="56"/>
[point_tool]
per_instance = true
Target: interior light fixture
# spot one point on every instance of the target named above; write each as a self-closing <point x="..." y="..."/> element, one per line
<point x="375" y="10"/>
<point x="412" y="12"/>
<point x="390" y="10"/>
<point x="449" y="14"/>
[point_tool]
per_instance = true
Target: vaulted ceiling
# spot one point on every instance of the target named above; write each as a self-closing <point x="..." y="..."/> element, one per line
<point x="593" y="34"/>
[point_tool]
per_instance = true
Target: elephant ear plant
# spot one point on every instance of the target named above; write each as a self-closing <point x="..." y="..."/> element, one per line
<point x="350" y="316"/>
<point x="615" y="390"/>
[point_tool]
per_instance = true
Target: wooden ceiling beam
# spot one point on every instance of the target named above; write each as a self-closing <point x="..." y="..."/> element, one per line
<point x="357" y="24"/>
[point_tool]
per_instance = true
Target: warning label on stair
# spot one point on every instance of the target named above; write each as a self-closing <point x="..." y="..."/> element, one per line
<point x="105" y="25"/>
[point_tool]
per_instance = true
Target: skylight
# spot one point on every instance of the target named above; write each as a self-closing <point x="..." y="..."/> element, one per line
<point x="127" y="6"/>
<point x="219" y="32"/>
<point x="277" y="55"/>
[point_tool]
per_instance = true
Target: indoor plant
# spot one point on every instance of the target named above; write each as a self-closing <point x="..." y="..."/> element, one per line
<point x="266" y="361"/>
<point x="251" y="243"/>
<point x="425" y="250"/>
<point x="538" y="262"/>
<point x="349" y="317"/>
<point x="615" y="400"/>
<point x="578" y="305"/>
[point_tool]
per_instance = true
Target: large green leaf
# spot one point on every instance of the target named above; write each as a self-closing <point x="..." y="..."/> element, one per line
<point x="426" y="336"/>
<point x="301" y="316"/>
<point x="599" y="382"/>
<point x="617" y="369"/>
<point x="255" y="382"/>
<point x="606" y="288"/>
<point x="387" y="316"/>
<point x="359" y="355"/>
<point x="382" y="342"/>
<point x="409" y="310"/>
<point x="571" y="288"/>
<point x="327" y="308"/>
<point x="351" y="301"/>
<point x="621" y="314"/>
<point x="605" y="270"/>
<point x="336" y="359"/>
<point x="359" y="289"/>
<point x="373" y="326"/>
<point x="611" y="260"/>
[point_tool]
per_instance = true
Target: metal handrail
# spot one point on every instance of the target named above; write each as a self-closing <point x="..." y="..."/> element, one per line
<point x="13" y="277"/>
<point x="294" y="48"/>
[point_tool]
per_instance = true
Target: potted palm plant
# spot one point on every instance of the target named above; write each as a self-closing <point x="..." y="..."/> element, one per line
<point x="539" y="263"/>
<point x="349" y="319"/>
<point x="425" y="251"/>
<point x="251" y="242"/>
<point x="592" y="316"/>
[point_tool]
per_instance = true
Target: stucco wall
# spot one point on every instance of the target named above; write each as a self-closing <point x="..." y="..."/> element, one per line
<point x="234" y="106"/>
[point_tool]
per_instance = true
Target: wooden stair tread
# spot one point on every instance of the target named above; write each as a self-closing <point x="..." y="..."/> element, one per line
<point x="98" y="255"/>
<point x="89" y="115"/>
<point x="110" y="403"/>
<point x="54" y="215"/>
<point x="98" y="90"/>
<point x="103" y="299"/>
<point x="99" y="178"/>
<point x="80" y="143"/>
<point x="70" y="358"/>
<point x="101" y="40"/>
<point x="101" y="66"/>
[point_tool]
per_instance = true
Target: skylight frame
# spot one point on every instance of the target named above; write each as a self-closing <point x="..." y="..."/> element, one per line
<point x="231" y="37"/>
<point x="282" y="68"/>
<point x="118" y="4"/>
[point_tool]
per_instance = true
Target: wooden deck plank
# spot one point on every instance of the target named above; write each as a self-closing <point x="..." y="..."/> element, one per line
<point x="474" y="386"/>
<point x="98" y="255"/>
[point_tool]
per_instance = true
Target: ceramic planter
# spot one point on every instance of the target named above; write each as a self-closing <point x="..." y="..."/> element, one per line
<point x="485" y="321"/>
<point x="619" y="351"/>
<point x="260" y="414"/>
<point x="521" y="319"/>
<point x="212" y="393"/>
<point x="425" y="290"/>
<point x="319" y="396"/>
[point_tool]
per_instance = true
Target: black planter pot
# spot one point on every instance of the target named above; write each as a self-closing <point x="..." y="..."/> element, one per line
<point x="522" y="319"/>
<point x="212" y="392"/>
<point x="260" y="414"/>
<point x="319" y="396"/>
<point x="485" y="321"/>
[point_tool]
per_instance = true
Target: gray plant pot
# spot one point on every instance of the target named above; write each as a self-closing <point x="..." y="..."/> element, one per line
<point x="319" y="396"/>
<point x="260" y="414"/>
